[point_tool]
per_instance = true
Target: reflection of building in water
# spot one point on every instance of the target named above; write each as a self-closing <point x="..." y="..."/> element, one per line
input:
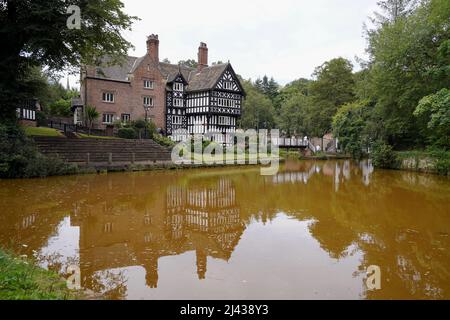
<point x="209" y="212"/>
<point x="367" y="170"/>
<point x="340" y="171"/>
<point x="294" y="177"/>
<point x="343" y="172"/>
<point x="204" y="219"/>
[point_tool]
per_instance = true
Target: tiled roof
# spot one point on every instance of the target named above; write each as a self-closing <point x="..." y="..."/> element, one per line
<point x="116" y="72"/>
<point x="170" y="71"/>
<point x="204" y="80"/>
<point x="207" y="78"/>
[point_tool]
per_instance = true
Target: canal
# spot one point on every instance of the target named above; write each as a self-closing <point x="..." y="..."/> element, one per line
<point x="310" y="232"/>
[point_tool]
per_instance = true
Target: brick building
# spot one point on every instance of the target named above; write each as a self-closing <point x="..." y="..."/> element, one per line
<point x="199" y="100"/>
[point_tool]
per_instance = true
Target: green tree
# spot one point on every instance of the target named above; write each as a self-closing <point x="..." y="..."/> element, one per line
<point x="293" y="115"/>
<point x="392" y="10"/>
<point x="350" y="127"/>
<point x="300" y="86"/>
<point x="333" y="87"/>
<point x="257" y="110"/>
<point x="36" y="34"/>
<point x="409" y="59"/>
<point x="435" y="109"/>
<point x="268" y="87"/>
<point x="60" y="108"/>
<point x="190" y="63"/>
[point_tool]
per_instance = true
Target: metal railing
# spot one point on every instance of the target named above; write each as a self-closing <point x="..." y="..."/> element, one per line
<point x="291" y="142"/>
<point x="70" y="127"/>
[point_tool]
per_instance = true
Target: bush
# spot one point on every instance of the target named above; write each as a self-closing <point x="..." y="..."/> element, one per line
<point x="163" y="141"/>
<point x="139" y="124"/>
<point x="19" y="157"/>
<point x="127" y="133"/>
<point x="349" y="124"/>
<point x="142" y="129"/>
<point x="442" y="161"/>
<point x="22" y="279"/>
<point x="383" y="156"/>
<point x="61" y="108"/>
<point x="42" y="166"/>
<point x="41" y="119"/>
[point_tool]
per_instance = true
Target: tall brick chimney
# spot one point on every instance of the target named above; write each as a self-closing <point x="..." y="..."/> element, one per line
<point x="153" y="47"/>
<point x="202" y="56"/>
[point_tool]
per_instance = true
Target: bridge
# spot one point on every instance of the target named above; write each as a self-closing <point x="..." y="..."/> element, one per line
<point x="294" y="143"/>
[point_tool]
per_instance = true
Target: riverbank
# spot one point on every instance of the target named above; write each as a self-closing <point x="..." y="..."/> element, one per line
<point x="437" y="162"/>
<point x="431" y="162"/>
<point x="317" y="156"/>
<point x="20" y="279"/>
<point x="156" y="166"/>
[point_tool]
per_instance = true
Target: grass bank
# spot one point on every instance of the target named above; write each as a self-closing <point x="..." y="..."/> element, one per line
<point x="20" y="279"/>
<point x="42" y="132"/>
<point x="317" y="156"/>
<point x="87" y="136"/>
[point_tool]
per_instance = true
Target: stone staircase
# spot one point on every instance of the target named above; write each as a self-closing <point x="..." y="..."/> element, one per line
<point x="103" y="151"/>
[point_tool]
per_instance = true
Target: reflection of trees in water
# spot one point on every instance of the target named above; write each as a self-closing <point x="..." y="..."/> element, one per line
<point x="379" y="213"/>
<point x="112" y="285"/>
<point x="129" y="220"/>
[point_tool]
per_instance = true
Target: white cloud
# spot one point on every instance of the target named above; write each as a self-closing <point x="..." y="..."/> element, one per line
<point x="285" y="39"/>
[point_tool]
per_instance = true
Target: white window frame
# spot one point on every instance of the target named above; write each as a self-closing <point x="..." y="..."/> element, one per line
<point x="108" y="97"/>
<point x="127" y="115"/>
<point x="228" y="85"/>
<point x="177" y="120"/>
<point x="105" y="117"/>
<point x="149" y="84"/>
<point x="148" y="103"/>
<point x="178" y="102"/>
<point x="177" y="86"/>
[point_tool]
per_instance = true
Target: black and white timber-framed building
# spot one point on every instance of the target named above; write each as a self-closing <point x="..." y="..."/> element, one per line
<point x="208" y="101"/>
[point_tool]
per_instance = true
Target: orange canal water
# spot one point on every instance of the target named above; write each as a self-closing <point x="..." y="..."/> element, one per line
<point x="309" y="232"/>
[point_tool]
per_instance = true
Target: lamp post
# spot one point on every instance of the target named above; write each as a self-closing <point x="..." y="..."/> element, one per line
<point x="146" y="108"/>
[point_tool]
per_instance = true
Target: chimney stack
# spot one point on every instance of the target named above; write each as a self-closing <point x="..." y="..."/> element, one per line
<point x="153" y="47"/>
<point x="202" y="56"/>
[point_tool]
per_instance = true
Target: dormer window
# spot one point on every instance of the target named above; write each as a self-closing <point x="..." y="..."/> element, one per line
<point x="178" y="86"/>
<point x="148" y="84"/>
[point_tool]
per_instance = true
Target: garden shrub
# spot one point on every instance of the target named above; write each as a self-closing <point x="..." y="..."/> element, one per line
<point x="19" y="158"/>
<point x="163" y="141"/>
<point x="442" y="158"/>
<point x="383" y="156"/>
<point x="41" y="119"/>
<point x="127" y="133"/>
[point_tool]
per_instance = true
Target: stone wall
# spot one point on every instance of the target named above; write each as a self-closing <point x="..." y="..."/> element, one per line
<point x="427" y="165"/>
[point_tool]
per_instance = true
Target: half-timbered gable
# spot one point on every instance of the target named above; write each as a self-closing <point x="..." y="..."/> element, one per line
<point x="229" y="81"/>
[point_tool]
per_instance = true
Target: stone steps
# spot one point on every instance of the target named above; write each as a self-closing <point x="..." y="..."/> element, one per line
<point x="91" y="151"/>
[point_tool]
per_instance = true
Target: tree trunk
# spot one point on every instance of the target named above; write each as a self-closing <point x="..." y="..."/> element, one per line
<point x="12" y="68"/>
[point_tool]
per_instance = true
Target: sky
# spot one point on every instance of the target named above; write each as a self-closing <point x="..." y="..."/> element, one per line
<point x="286" y="39"/>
